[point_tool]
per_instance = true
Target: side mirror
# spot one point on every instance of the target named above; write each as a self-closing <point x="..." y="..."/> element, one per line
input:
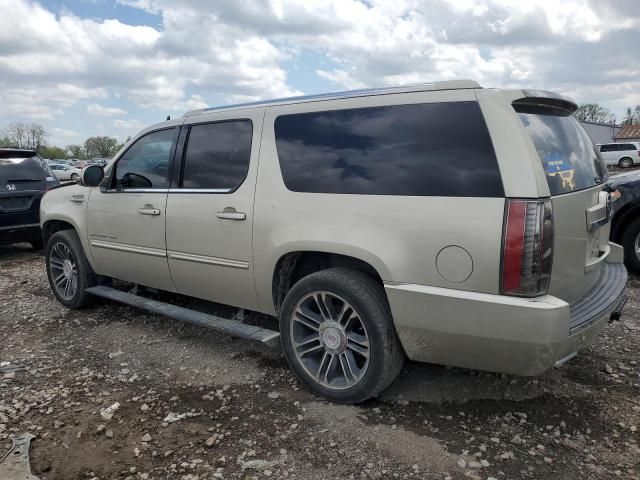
<point x="92" y="175"/>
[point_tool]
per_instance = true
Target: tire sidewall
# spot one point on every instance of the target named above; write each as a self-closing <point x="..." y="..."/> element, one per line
<point x="628" y="242"/>
<point x="61" y="237"/>
<point x="626" y="159"/>
<point x="373" y="316"/>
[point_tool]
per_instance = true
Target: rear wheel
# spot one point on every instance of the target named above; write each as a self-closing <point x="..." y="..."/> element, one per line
<point x="631" y="245"/>
<point x="625" y="162"/>
<point x="68" y="270"/>
<point x="338" y="335"/>
<point x="75" y="177"/>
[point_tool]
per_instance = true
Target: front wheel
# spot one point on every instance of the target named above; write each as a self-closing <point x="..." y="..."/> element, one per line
<point x="338" y="335"/>
<point x="68" y="270"/>
<point x="625" y="162"/>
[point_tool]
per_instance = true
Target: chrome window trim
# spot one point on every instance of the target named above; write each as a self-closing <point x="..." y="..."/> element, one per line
<point x="200" y="190"/>
<point x="137" y="190"/>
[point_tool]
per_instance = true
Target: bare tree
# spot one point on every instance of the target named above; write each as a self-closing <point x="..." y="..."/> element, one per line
<point x="592" y="112"/>
<point x="26" y="135"/>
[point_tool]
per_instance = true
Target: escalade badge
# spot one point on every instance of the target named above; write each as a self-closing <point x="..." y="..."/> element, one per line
<point x="11" y="187"/>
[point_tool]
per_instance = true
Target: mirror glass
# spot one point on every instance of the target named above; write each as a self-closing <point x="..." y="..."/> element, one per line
<point x="92" y="175"/>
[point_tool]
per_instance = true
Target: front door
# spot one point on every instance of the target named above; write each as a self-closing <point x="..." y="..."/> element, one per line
<point x="210" y="209"/>
<point x="126" y="219"/>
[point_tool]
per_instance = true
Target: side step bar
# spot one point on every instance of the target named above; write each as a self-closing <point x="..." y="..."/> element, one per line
<point x="270" y="338"/>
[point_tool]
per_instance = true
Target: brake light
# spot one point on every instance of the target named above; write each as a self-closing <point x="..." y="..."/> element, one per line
<point x="527" y="247"/>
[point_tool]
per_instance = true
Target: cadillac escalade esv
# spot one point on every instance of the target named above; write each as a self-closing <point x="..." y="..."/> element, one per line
<point x="444" y="222"/>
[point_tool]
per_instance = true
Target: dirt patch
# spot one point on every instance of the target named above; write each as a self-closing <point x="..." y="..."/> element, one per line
<point x="194" y="404"/>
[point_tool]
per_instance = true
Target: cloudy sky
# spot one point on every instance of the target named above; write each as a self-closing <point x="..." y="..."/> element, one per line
<point x="111" y="67"/>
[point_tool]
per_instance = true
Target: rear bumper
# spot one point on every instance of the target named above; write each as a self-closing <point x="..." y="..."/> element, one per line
<point x="499" y="333"/>
<point x="20" y="233"/>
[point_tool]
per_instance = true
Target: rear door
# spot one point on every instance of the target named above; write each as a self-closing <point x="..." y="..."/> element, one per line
<point x="575" y="174"/>
<point x="210" y="208"/>
<point x="24" y="177"/>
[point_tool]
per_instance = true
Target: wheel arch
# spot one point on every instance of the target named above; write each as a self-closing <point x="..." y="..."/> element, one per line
<point x="293" y="265"/>
<point x="622" y="219"/>
<point x="57" y="222"/>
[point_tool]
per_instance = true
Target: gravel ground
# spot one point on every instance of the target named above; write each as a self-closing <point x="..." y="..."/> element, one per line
<point x="114" y="392"/>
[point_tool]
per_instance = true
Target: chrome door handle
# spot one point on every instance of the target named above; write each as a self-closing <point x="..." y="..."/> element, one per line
<point x="230" y="213"/>
<point x="149" y="210"/>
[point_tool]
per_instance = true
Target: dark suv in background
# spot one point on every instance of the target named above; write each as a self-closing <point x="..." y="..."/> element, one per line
<point x="24" y="179"/>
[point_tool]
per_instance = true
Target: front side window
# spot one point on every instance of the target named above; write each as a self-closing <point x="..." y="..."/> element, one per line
<point x="146" y="163"/>
<point x="436" y="149"/>
<point x="217" y="155"/>
<point x="625" y="147"/>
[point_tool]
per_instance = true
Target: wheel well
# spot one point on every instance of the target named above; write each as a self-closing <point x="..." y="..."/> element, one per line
<point x="296" y="265"/>
<point x="53" y="226"/>
<point x="622" y="220"/>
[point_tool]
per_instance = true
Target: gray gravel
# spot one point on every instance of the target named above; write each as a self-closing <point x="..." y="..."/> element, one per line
<point x="114" y="392"/>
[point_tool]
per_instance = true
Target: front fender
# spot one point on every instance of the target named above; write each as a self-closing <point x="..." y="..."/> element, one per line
<point x="68" y="204"/>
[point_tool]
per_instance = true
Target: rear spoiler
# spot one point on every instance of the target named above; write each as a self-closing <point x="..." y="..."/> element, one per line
<point x="539" y="98"/>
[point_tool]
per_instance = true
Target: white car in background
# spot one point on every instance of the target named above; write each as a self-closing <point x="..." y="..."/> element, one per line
<point x="65" y="172"/>
<point x="622" y="155"/>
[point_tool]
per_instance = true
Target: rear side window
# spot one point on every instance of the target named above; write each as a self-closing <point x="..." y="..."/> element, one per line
<point x="568" y="156"/>
<point x="15" y="168"/>
<point x="625" y="147"/>
<point x="439" y="149"/>
<point x="607" y="148"/>
<point x="217" y="155"/>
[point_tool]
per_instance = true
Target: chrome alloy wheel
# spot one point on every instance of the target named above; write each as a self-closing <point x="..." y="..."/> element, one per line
<point x="636" y="246"/>
<point x="330" y="340"/>
<point x="64" y="271"/>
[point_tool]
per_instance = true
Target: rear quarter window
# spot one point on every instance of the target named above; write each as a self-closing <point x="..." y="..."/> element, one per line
<point x="436" y="149"/>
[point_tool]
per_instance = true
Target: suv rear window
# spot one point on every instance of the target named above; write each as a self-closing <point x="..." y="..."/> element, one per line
<point x="566" y="152"/>
<point x="19" y="168"/>
<point x="438" y="149"/>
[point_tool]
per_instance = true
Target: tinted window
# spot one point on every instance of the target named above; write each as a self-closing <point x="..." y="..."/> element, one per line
<point x="625" y="147"/>
<point x="146" y="163"/>
<point x="439" y="149"/>
<point x="217" y="155"/>
<point x="607" y="148"/>
<point x="568" y="156"/>
<point x="17" y="168"/>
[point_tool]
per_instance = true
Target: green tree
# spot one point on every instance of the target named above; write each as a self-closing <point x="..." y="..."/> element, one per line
<point x="592" y="112"/>
<point x="76" y="151"/>
<point x="103" y="146"/>
<point x="52" y="152"/>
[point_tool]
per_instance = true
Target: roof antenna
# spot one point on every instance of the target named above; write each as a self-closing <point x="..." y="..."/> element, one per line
<point x="168" y="117"/>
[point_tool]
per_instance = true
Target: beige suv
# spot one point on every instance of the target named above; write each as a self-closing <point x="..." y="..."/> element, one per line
<point x="445" y="223"/>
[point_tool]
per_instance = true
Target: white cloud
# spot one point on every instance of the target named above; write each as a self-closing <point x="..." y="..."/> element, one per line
<point x="132" y="125"/>
<point x="99" y="110"/>
<point x="241" y="50"/>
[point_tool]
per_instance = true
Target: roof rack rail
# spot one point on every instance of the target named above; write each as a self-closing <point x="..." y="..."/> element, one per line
<point x="448" y="85"/>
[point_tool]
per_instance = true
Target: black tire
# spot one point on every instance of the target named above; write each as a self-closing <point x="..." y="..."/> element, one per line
<point x="625" y="162"/>
<point x="85" y="276"/>
<point x="75" y="177"/>
<point x="36" y="244"/>
<point x="629" y="238"/>
<point x="369" y="300"/>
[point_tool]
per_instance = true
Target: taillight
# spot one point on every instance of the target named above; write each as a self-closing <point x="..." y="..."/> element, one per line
<point x="527" y="247"/>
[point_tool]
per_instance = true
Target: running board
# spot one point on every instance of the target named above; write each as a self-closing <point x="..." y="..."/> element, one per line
<point x="235" y="328"/>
